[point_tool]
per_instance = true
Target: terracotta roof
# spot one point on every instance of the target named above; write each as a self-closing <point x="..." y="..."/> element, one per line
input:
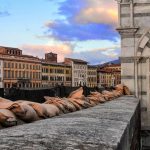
<point x="92" y="66"/>
<point x="106" y="70"/>
<point x="10" y="48"/>
<point x="77" y="60"/>
<point x="55" y="64"/>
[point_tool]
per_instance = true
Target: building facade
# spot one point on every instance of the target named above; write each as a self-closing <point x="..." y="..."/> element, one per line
<point x="92" y="76"/>
<point x="79" y="71"/>
<point x="109" y="75"/>
<point x="25" y="71"/>
<point x="18" y="69"/>
<point x="134" y="28"/>
<point x="54" y="74"/>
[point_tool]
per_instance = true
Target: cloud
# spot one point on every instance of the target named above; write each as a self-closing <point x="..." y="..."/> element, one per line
<point x="84" y="20"/>
<point x="88" y="28"/>
<point x="49" y="24"/>
<point x="62" y="50"/>
<point x="93" y="56"/>
<point x="4" y="13"/>
<point x="72" y="32"/>
<point x="98" y="11"/>
<point x="97" y="56"/>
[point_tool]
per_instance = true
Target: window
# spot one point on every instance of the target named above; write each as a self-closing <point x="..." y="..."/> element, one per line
<point x="12" y="74"/>
<point x="12" y="65"/>
<point x="19" y="66"/>
<point x="5" y="74"/>
<point x="8" y="64"/>
<point x="8" y="73"/>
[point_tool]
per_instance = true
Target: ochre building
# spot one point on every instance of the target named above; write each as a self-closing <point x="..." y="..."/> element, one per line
<point x="92" y="76"/>
<point x="19" y="70"/>
<point x="54" y="74"/>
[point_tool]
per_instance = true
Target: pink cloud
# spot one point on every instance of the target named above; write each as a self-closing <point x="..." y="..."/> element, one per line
<point x="98" y="11"/>
<point x="62" y="50"/>
<point x="49" y="24"/>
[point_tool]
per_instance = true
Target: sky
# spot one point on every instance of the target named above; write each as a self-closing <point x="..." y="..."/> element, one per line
<point x="83" y="29"/>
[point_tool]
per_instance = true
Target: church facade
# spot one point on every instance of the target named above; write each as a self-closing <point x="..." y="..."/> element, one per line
<point x="134" y="28"/>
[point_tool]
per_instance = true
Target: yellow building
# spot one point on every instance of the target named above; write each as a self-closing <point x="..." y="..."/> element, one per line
<point x="56" y="74"/>
<point x="18" y="69"/>
<point x="92" y="76"/>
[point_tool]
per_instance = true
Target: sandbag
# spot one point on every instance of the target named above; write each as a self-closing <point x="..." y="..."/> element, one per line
<point x="7" y="118"/>
<point x="97" y="97"/>
<point x="58" y="104"/>
<point x="117" y="93"/>
<point x="108" y="95"/>
<point x="40" y="110"/>
<point x="82" y="103"/>
<point x="24" y="102"/>
<point x="97" y="94"/>
<point x="48" y="98"/>
<point x="70" y="107"/>
<point x="126" y="90"/>
<point x="77" y="106"/>
<point x="51" y="109"/>
<point x="24" y="112"/>
<point x="77" y="94"/>
<point x="5" y="105"/>
<point x="119" y="87"/>
<point x="90" y="101"/>
<point x="4" y="100"/>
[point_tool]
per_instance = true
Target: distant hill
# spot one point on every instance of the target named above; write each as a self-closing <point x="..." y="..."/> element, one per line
<point x="117" y="61"/>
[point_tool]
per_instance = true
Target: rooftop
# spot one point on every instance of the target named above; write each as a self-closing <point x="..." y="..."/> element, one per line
<point x="77" y="60"/>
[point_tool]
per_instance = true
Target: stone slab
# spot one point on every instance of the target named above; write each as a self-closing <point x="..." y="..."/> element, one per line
<point x="99" y="128"/>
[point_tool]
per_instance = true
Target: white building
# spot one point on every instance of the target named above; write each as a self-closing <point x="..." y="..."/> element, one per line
<point x="79" y="71"/>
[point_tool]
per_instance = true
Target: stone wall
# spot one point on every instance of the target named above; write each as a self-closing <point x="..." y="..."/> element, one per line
<point x="114" y="125"/>
<point x="134" y="28"/>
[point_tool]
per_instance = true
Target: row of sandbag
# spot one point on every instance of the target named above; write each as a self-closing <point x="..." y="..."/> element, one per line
<point x="20" y="112"/>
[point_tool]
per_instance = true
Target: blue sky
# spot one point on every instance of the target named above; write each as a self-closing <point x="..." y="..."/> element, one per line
<point x="82" y="29"/>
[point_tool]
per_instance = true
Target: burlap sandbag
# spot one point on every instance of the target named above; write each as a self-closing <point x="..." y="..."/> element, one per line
<point x="82" y="103"/>
<point x="77" y="106"/>
<point x="63" y="104"/>
<point x="24" y="102"/>
<point x="119" y="87"/>
<point x="126" y="90"/>
<point x="117" y="93"/>
<point x="58" y="104"/>
<point x="51" y="109"/>
<point x="90" y="101"/>
<point x="97" y="96"/>
<point x="4" y="100"/>
<point x="93" y="100"/>
<point x="24" y="112"/>
<point x="70" y="107"/>
<point x="5" y="105"/>
<point x="108" y="95"/>
<point x="40" y="110"/>
<point x="7" y="118"/>
<point x="48" y="98"/>
<point x="77" y="94"/>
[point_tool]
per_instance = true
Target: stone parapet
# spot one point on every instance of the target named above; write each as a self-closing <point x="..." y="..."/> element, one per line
<point x="114" y="125"/>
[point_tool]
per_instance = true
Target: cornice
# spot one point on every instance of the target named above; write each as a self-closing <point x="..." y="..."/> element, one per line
<point x="127" y="30"/>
